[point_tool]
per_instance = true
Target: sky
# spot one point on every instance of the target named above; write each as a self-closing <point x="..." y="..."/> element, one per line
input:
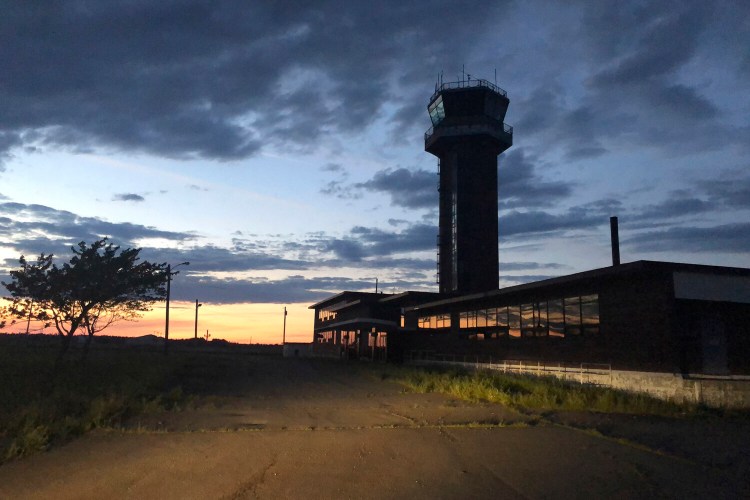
<point x="278" y="146"/>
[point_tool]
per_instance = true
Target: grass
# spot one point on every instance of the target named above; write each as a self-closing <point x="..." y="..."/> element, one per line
<point x="41" y="406"/>
<point x="536" y="393"/>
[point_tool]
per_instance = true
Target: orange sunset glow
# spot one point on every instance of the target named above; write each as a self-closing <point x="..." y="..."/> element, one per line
<point x="242" y="323"/>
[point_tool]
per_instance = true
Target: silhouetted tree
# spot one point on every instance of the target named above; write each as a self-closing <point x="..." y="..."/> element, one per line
<point x="99" y="286"/>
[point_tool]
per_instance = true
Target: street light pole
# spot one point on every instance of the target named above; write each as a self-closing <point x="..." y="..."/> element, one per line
<point x="197" y="305"/>
<point x="169" y="283"/>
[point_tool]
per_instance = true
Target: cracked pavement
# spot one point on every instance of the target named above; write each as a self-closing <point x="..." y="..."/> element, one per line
<point x="314" y="429"/>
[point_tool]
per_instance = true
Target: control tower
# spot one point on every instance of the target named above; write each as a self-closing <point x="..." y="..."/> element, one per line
<point x="467" y="134"/>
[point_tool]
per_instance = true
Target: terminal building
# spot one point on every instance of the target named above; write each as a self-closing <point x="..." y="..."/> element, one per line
<point x="643" y="315"/>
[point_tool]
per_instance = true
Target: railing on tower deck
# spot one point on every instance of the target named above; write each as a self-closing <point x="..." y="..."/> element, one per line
<point x="468" y="129"/>
<point x="462" y="84"/>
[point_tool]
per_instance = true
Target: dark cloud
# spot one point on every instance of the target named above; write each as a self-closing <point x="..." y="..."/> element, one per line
<point x="217" y="79"/>
<point x="726" y="238"/>
<point x="8" y="141"/>
<point x="415" y="238"/>
<point x="347" y="250"/>
<point x="407" y="188"/>
<point x="340" y="190"/>
<point x="537" y="222"/>
<point x="651" y="74"/>
<point x="521" y="185"/>
<point x="35" y="229"/>
<point x="662" y="39"/>
<point x="128" y="197"/>
<point x="27" y="223"/>
<point x="732" y="191"/>
<point x="527" y="266"/>
<point x="680" y="204"/>
<point x="288" y="290"/>
<point x="333" y="167"/>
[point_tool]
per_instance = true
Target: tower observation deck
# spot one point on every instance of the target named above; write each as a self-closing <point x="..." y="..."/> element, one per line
<point x="467" y="135"/>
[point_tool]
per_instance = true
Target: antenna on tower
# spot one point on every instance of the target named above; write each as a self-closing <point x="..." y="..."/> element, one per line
<point x="463" y="73"/>
<point x="495" y="77"/>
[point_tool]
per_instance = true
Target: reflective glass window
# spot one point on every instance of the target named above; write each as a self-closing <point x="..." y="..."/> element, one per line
<point x="471" y="319"/>
<point x="463" y="319"/>
<point x="492" y="317"/>
<point x="502" y="316"/>
<point x="573" y="316"/>
<point x="573" y="311"/>
<point x="590" y="309"/>
<point x="527" y="319"/>
<point x="437" y="111"/>
<point x="590" y="314"/>
<point x="443" y="320"/>
<point x="482" y="318"/>
<point x="541" y="319"/>
<point x="556" y="318"/>
<point x="514" y="321"/>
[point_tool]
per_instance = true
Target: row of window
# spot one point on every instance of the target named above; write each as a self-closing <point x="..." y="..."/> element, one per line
<point x="346" y="338"/>
<point x="326" y="315"/>
<point x="557" y="318"/>
<point x="435" y="321"/>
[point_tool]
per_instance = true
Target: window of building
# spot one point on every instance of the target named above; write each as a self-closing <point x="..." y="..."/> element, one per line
<point x="492" y="317"/>
<point x="467" y="319"/>
<point x="502" y="316"/>
<point x="514" y="321"/>
<point x="572" y="315"/>
<point x="590" y="314"/>
<point x="437" y="111"/>
<point x="528" y="322"/>
<point x="326" y="315"/>
<point x="435" y="321"/>
<point x="540" y="319"/>
<point x="482" y="318"/>
<point x="556" y="318"/>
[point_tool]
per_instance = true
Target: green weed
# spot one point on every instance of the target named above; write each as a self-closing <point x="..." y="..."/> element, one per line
<point x="530" y="392"/>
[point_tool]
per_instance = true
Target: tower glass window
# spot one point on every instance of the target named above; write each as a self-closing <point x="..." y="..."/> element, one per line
<point x="437" y="111"/>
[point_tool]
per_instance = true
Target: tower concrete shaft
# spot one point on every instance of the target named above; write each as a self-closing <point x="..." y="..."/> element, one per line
<point x="467" y="135"/>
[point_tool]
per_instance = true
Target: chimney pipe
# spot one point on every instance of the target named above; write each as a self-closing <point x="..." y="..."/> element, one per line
<point x="615" y="235"/>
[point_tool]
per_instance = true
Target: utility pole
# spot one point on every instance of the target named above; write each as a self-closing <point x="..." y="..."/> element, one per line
<point x="283" y="338"/>
<point x="197" y="305"/>
<point x="169" y="283"/>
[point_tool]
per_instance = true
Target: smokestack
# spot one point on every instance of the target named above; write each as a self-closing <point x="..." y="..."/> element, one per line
<point x="615" y="235"/>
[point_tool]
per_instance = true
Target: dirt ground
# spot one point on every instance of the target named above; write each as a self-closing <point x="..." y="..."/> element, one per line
<point x="312" y="429"/>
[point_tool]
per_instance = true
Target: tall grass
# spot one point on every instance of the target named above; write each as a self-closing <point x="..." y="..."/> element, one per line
<point x="41" y="404"/>
<point x="538" y="393"/>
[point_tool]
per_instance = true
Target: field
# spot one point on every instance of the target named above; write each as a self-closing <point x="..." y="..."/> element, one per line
<point x="43" y="405"/>
<point x="230" y="422"/>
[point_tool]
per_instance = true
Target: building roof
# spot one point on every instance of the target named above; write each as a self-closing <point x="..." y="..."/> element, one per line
<point x="639" y="266"/>
<point x="349" y="298"/>
<point x="409" y="298"/>
<point x="412" y="300"/>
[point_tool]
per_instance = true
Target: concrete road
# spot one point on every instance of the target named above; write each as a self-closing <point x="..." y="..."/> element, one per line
<point x="304" y="429"/>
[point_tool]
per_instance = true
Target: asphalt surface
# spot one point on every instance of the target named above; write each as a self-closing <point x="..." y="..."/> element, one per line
<point x="309" y="429"/>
